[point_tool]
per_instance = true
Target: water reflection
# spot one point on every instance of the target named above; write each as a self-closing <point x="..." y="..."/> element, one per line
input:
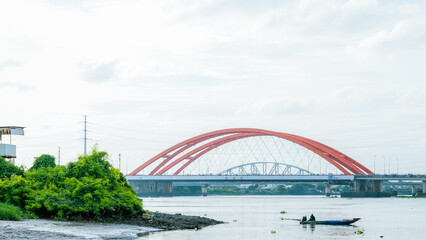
<point x="309" y="226"/>
<point x="334" y="230"/>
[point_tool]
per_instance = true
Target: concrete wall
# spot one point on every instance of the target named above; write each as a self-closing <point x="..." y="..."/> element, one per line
<point x="8" y="150"/>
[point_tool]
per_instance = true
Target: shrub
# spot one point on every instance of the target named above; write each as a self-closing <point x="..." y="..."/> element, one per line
<point x="15" y="190"/>
<point x="87" y="189"/>
<point x="10" y="212"/>
<point x="44" y="161"/>
<point x="8" y="169"/>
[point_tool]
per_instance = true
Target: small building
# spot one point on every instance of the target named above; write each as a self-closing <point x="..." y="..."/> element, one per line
<point x="8" y="151"/>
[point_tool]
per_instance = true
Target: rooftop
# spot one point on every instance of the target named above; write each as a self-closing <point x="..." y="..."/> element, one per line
<point x="11" y="130"/>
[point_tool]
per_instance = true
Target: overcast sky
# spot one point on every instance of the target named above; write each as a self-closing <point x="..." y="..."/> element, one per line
<point x="149" y="74"/>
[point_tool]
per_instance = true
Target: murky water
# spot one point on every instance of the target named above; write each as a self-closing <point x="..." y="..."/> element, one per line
<point x="254" y="217"/>
<point x="251" y="217"/>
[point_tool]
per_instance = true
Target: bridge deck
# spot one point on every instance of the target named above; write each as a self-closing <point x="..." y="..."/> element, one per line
<point x="273" y="178"/>
<point x="225" y="178"/>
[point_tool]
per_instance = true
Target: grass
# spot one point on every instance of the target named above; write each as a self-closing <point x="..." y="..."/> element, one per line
<point x="14" y="213"/>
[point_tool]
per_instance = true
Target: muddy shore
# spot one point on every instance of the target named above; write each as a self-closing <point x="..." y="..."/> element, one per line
<point x="110" y="229"/>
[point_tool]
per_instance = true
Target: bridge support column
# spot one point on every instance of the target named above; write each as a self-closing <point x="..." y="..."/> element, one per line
<point x="164" y="187"/>
<point x="327" y="190"/>
<point x="368" y="185"/>
<point x="204" y="190"/>
<point x="152" y="188"/>
<point x="367" y="188"/>
<point x="413" y="190"/>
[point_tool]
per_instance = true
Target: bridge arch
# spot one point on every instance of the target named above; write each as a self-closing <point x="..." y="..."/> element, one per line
<point x="275" y="169"/>
<point x="211" y="140"/>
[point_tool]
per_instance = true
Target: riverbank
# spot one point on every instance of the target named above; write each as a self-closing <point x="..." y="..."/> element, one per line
<point x="109" y="229"/>
<point x="167" y="221"/>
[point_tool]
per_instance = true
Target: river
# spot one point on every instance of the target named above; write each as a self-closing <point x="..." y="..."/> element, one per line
<point x="251" y="217"/>
<point x="254" y="217"/>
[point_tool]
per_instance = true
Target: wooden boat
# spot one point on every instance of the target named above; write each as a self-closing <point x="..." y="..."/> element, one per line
<point x="332" y="222"/>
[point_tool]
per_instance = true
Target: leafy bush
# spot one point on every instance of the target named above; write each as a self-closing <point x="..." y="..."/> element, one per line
<point x="44" y="161"/>
<point x="10" y="212"/>
<point x="8" y="169"/>
<point x="87" y="189"/>
<point x="14" y="190"/>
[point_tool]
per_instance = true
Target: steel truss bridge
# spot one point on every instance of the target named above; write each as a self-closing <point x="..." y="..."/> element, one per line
<point x="161" y="171"/>
<point x="265" y="168"/>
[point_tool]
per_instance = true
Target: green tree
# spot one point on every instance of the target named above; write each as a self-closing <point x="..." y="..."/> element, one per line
<point x="299" y="188"/>
<point x="253" y="187"/>
<point x="14" y="190"/>
<point x="281" y="189"/>
<point x="44" y="161"/>
<point x="8" y="169"/>
<point x="320" y="187"/>
<point x="87" y="189"/>
<point x="345" y="189"/>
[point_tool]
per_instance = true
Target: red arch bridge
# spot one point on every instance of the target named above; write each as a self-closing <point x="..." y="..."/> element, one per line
<point x="284" y="153"/>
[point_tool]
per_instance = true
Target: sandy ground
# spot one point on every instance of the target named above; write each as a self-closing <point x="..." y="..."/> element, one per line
<point x="49" y="229"/>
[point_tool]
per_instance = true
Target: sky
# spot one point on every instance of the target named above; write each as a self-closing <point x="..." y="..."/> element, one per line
<point x="149" y="74"/>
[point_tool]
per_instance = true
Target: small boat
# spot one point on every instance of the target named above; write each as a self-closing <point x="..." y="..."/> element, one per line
<point x="332" y="222"/>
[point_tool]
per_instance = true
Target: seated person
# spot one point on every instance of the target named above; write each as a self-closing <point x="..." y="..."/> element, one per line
<point x="312" y="218"/>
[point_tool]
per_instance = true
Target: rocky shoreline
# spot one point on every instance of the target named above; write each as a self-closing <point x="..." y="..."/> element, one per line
<point x="167" y="221"/>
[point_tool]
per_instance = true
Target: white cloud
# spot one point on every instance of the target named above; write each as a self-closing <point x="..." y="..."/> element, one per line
<point x="324" y="69"/>
<point x="406" y="34"/>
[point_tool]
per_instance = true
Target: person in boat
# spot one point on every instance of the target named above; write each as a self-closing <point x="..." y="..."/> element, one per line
<point x="304" y="219"/>
<point x="312" y="218"/>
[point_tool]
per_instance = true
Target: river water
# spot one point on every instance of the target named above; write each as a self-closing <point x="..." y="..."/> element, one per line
<point x="254" y="217"/>
<point x="251" y="217"/>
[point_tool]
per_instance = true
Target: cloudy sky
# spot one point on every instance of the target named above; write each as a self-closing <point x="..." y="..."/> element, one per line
<point x="148" y="74"/>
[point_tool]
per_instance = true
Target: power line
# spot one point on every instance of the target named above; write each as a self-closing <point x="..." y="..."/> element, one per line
<point x="118" y="144"/>
<point x="135" y="130"/>
<point x="135" y="138"/>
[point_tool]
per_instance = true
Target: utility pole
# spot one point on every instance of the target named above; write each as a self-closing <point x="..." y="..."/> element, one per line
<point x="119" y="162"/>
<point x="397" y="169"/>
<point x="389" y="165"/>
<point x="374" y="164"/>
<point x="85" y="133"/>
<point x="59" y="156"/>
<point x="384" y="165"/>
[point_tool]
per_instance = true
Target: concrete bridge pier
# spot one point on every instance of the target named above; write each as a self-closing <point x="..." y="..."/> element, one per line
<point x="327" y="190"/>
<point x="367" y="188"/>
<point x="204" y="190"/>
<point x="368" y="185"/>
<point x="413" y="190"/>
<point x="152" y="188"/>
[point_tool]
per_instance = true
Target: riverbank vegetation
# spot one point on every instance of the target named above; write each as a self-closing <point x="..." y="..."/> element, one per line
<point x="256" y="189"/>
<point x="7" y="169"/>
<point x="11" y="212"/>
<point x="88" y="189"/>
<point x="295" y="189"/>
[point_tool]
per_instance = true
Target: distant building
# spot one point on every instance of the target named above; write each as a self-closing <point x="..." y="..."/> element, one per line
<point x="8" y="151"/>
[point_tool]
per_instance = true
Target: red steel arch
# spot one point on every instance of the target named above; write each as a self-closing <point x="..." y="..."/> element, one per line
<point x="344" y="163"/>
